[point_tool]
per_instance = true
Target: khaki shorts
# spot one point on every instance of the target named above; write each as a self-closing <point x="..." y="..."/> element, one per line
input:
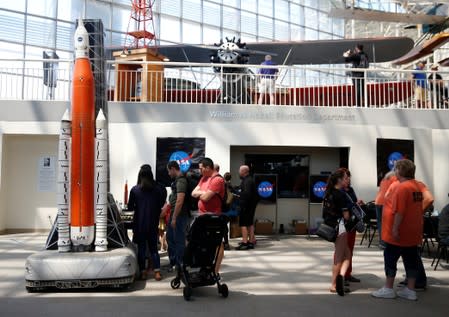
<point x="267" y="85"/>
<point x="420" y="94"/>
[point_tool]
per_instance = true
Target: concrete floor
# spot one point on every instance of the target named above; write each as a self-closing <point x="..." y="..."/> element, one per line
<point x="286" y="276"/>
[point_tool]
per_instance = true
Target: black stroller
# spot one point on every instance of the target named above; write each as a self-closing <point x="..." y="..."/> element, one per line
<point x="200" y="255"/>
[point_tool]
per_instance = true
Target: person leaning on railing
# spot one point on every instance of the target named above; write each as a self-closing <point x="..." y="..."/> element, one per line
<point x="420" y="82"/>
<point x="267" y="80"/>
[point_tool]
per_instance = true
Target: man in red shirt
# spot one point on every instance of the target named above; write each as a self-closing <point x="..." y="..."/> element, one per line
<point x="210" y="192"/>
<point x="402" y="230"/>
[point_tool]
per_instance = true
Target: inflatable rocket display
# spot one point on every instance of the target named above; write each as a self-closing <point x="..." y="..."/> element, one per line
<point x="82" y="160"/>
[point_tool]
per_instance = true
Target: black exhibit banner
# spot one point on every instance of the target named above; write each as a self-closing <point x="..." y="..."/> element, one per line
<point x="188" y="152"/>
<point x="266" y="185"/>
<point x="317" y="187"/>
<point x="389" y="151"/>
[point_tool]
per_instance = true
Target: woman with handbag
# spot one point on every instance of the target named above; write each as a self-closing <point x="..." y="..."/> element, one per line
<point x="335" y="213"/>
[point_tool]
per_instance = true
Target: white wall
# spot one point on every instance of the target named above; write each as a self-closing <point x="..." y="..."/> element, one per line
<point x="135" y="144"/>
<point x="2" y="184"/>
<point x="25" y="207"/>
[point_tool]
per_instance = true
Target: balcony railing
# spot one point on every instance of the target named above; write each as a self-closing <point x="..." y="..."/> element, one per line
<point x="320" y="86"/>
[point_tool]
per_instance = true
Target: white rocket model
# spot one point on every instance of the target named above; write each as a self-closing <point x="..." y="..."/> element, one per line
<point x="101" y="182"/>
<point x="83" y="162"/>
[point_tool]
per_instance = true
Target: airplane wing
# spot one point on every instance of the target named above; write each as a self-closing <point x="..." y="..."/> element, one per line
<point x="423" y="49"/>
<point x="379" y="50"/>
<point x="382" y="49"/>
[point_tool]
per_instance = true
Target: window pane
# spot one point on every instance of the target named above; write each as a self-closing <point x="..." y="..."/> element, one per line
<point x="191" y="33"/>
<point x="11" y="27"/>
<point x="170" y="29"/>
<point x="266" y="8"/>
<point x="45" y="8"/>
<point x="211" y="14"/>
<point x="311" y="19"/>
<point x="172" y="7"/>
<point x="40" y="32"/>
<point x="231" y="18"/>
<point x="99" y="10"/>
<point x="249" y="5"/>
<point x="211" y="35"/>
<point x="281" y="10"/>
<point x="281" y="31"/>
<point x="64" y="36"/>
<point x="266" y="27"/>
<point x="120" y="19"/>
<point x="249" y="23"/>
<point x="70" y="10"/>
<point x="192" y="10"/>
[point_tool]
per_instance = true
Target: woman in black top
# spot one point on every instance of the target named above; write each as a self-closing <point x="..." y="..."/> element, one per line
<point x="335" y="213"/>
<point x="146" y="199"/>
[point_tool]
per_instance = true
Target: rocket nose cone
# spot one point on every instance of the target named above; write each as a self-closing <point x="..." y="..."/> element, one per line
<point x="81" y="39"/>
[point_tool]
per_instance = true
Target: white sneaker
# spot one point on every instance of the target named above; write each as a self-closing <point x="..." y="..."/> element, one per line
<point x="407" y="293"/>
<point x="384" y="292"/>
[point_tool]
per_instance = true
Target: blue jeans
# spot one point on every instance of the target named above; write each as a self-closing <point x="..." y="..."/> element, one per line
<point x="176" y="239"/>
<point x="151" y="243"/>
<point x="410" y="258"/>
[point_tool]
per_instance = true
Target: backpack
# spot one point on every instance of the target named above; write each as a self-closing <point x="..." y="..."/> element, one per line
<point x="226" y="201"/>
<point x="364" y="61"/>
<point x="328" y="212"/>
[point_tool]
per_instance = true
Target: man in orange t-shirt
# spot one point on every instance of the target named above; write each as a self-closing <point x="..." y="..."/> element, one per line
<point x="402" y="230"/>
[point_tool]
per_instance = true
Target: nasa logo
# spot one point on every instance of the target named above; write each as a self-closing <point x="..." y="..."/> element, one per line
<point x="183" y="160"/>
<point x="265" y="189"/>
<point x="392" y="158"/>
<point x="319" y="188"/>
<point x="79" y="39"/>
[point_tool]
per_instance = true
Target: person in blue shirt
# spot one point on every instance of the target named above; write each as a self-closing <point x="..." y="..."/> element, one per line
<point x="267" y="83"/>
<point x="420" y="81"/>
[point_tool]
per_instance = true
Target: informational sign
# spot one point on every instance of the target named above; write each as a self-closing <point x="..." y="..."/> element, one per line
<point x="46" y="180"/>
<point x="188" y="152"/>
<point x="318" y="185"/>
<point x="266" y="185"/>
<point x="389" y="151"/>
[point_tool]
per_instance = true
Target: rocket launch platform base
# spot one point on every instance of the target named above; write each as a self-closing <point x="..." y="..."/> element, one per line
<point x="52" y="269"/>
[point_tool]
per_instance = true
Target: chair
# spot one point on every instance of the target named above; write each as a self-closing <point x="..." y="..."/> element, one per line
<point x="443" y="246"/>
<point x="430" y="232"/>
<point x="370" y="221"/>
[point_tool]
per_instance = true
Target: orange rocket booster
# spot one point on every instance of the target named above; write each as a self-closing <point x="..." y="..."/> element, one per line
<point x="82" y="207"/>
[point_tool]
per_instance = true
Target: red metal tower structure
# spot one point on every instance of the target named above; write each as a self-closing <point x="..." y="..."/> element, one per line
<point x="140" y="33"/>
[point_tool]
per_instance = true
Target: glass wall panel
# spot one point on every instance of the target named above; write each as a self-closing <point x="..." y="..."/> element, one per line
<point x="170" y="29"/>
<point x="249" y="5"/>
<point x="211" y="35"/>
<point x="281" y="10"/>
<point x="211" y="14"/>
<point x="45" y="8"/>
<point x="249" y="22"/>
<point x="191" y="32"/>
<point x="172" y="7"/>
<point x="99" y="10"/>
<point x="192" y="10"/>
<point x="282" y="31"/>
<point x="266" y="8"/>
<point x="64" y="36"/>
<point x="11" y="27"/>
<point x="265" y="27"/>
<point x="231" y="18"/>
<point x="40" y="32"/>
<point x="120" y="19"/>
<point x="70" y="10"/>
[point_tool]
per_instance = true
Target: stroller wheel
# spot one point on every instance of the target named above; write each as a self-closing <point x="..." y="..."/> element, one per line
<point x="175" y="283"/>
<point x="223" y="290"/>
<point x="187" y="293"/>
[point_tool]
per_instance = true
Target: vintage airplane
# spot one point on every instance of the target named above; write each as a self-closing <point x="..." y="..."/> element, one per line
<point x="236" y="89"/>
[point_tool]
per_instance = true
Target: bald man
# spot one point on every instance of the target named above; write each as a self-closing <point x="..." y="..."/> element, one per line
<point x="248" y="203"/>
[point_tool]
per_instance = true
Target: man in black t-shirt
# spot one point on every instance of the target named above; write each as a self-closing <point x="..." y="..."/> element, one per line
<point x="248" y="203"/>
<point x="179" y="216"/>
<point x="440" y="93"/>
<point x="359" y="59"/>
